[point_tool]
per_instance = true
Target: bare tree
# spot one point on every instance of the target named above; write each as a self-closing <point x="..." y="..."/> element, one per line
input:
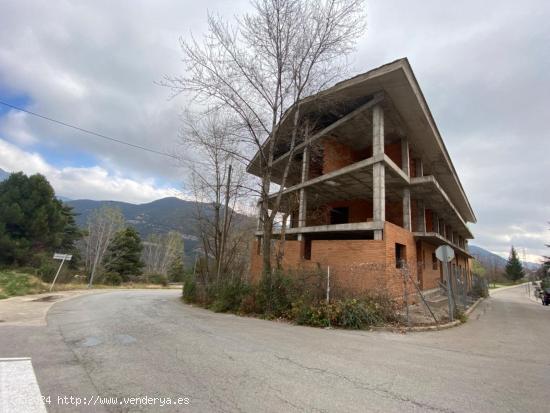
<point x="160" y="251"/>
<point x="214" y="138"/>
<point x="103" y="224"/>
<point x="261" y="67"/>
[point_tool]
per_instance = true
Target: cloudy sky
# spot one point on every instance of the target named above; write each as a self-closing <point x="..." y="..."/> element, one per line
<point x="483" y="66"/>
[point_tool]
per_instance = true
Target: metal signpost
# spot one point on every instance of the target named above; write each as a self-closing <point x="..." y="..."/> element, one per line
<point x="446" y="254"/>
<point x="63" y="258"/>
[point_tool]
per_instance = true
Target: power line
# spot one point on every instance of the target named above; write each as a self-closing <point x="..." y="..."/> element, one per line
<point x="99" y="135"/>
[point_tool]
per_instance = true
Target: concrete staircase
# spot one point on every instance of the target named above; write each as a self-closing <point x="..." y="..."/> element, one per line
<point x="435" y="296"/>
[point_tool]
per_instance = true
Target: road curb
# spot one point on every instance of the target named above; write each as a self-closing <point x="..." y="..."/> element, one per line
<point x="494" y="290"/>
<point x="418" y="329"/>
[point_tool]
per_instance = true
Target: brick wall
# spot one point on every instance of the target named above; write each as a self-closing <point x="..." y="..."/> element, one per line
<point x="429" y="220"/>
<point x="430" y="275"/>
<point x="336" y="155"/>
<point x="394" y="212"/>
<point x="364" y="265"/>
<point x="393" y="150"/>
<point x="360" y="210"/>
<point x="394" y="279"/>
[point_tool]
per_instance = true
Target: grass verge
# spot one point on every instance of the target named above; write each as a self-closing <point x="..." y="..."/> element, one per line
<point x="15" y="283"/>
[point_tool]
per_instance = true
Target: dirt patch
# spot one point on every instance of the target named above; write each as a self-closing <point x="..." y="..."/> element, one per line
<point x="48" y="298"/>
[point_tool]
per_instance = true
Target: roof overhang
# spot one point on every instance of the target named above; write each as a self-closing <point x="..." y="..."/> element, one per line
<point x="398" y="84"/>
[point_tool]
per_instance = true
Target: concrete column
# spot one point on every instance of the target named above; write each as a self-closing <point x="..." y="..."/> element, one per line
<point x="405" y="156"/>
<point x="377" y="130"/>
<point x="302" y="211"/>
<point x="442" y="229"/>
<point x="378" y="171"/>
<point x="419" y="167"/>
<point x="259" y="213"/>
<point x="435" y="221"/>
<point x="407" y="209"/>
<point x="421" y="216"/>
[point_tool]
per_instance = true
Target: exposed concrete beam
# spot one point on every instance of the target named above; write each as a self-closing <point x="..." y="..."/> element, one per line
<point x="405" y="156"/>
<point x="419" y="167"/>
<point x="376" y="99"/>
<point x="302" y="212"/>
<point x="259" y="219"/>
<point x="432" y="236"/>
<point x="407" y="209"/>
<point x="397" y="169"/>
<point x="420" y="216"/>
<point x="356" y="226"/>
<point x="377" y="130"/>
<point x="430" y="179"/>
<point x="378" y="171"/>
<point x="334" y="174"/>
<point x="379" y="192"/>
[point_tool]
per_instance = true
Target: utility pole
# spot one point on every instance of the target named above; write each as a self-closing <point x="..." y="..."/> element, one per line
<point x="224" y="229"/>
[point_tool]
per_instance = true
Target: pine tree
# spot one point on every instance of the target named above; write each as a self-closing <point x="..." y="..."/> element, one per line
<point x="124" y="254"/>
<point x="176" y="272"/>
<point x="32" y="220"/>
<point x="514" y="268"/>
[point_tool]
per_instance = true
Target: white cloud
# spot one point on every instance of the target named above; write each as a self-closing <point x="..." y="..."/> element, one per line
<point x="77" y="183"/>
<point x="13" y="125"/>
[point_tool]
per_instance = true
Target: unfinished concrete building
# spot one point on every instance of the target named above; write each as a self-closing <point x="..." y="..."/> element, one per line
<point x="372" y="187"/>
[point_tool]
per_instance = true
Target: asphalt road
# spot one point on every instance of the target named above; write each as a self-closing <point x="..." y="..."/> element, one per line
<point x="148" y="343"/>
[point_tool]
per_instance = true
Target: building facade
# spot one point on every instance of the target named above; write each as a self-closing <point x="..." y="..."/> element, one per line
<point x="370" y="188"/>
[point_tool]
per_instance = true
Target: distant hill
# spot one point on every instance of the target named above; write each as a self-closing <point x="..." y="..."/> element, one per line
<point x="3" y="174"/>
<point x="488" y="258"/>
<point x="63" y="198"/>
<point x="160" y="216"/>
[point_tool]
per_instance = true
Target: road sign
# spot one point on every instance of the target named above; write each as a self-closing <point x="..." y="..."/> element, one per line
<point x="445" y="253"/>
<point x="63" y="257"/>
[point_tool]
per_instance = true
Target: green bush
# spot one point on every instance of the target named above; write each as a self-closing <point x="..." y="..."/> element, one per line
<point x="275" y="293"/>
<point x="17" y="285"/>
<point x="157" y="279"/>
<point x="348" y="313"/>
<point x="297" y="299"/>
<point x="460" y="315"/>
<point x="315" y="315"/>
<point x="112" y="278"/>
<point x="189" y="289"/>
<point x="47" y="271"/>
<point x="14" y="283"/>
<point x="229" y="296"/>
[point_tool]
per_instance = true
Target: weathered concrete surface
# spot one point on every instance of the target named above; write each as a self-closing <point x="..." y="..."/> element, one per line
<point x="32" y="309"/>
<point x="19" y="390"/>
<point x="148" y="343"/>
